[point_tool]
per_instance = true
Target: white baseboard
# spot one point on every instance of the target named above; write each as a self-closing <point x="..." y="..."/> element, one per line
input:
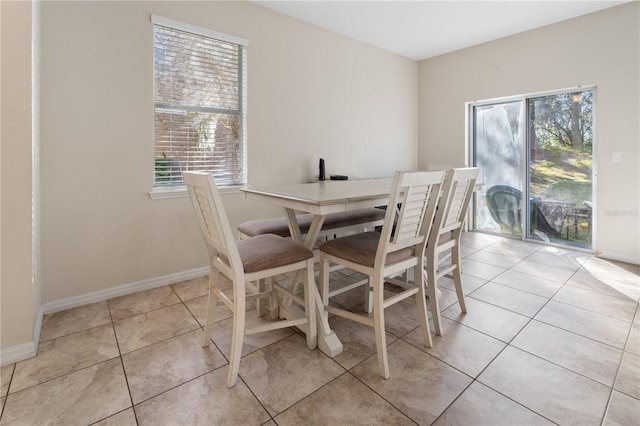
<point x="121" y="290"/>
<point x="24" y="350"/>
<point x="617" y="256"/>
<point x="30" y="349"/>
<point x="18" y="353"/>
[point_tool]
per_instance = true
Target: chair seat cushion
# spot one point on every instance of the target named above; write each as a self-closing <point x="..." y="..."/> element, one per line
<point x="361" y="249"/>
<point x="279" y="225"/>
<point x="270" y="251"/>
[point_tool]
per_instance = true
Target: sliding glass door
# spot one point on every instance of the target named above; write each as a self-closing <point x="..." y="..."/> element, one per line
<point x="535" y="160"/>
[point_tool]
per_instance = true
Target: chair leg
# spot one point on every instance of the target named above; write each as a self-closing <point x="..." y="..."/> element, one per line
<point x="378" y="325"/>
<point x="274" y="301"/>
<point x="324" y="281"/>
<point x="211" y="308"/>
<point x="432" y="282"/>
<point x="457" y="276"/>
<point x="310" y="305"/>
<point x="260" y="308"/>
<point x="368" y="297"/>
<point x="237" y="335"/>
<point x="421" y="306"/>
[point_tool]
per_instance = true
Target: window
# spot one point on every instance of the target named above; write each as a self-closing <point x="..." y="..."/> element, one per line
<point x="199" y="104"/>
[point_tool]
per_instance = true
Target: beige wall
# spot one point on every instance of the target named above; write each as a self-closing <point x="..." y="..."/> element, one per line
<point x="20" y="292"/>
<point x="599" y="49"/>
<point x="312" y="93"/>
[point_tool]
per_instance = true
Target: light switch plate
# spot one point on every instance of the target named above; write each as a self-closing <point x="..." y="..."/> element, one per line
<point x="616" y="156"/>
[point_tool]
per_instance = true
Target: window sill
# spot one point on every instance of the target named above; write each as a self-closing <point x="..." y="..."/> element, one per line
<point x="166" y="194"/>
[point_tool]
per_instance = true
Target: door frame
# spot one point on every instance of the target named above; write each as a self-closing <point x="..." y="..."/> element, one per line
<point x="525" y="218"/>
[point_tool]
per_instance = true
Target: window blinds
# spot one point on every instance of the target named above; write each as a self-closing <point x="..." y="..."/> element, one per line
<point x="200" y="104"/>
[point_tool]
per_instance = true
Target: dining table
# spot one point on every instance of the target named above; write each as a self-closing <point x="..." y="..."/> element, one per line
<point x="321" y="198"/>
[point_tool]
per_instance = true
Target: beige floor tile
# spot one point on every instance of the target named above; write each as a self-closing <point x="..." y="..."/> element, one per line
<point x="536" y="269"/>
<point x="469" y="283"/>
<point x="579" y="354"/>
<point x="344" y="401"/>
<point x="494" y="259"/>
<point x="82" y="397"/>
<point x="481" y="270"/>
<point x="420" y="385"/>
<point x="459" y="346"/>
<point x="466" y="251"/>
<point x="358" y="341"/>
<point x="198" y="308"/>
<point x="123" y="418"/>
<point x="144" y="301"/>
<point x="633" y="345"/>
<point x="597" y="302"/>
<point x="605" y="285"/>
<point x="73" y="320"/>
<point x="623" y="410"/>
<point x="402" y="317"/>
<point x="191" y="289"/>
<point x="447" y="299"/>
<point x="162" y="366"/>
<point x="553" y="392"/>
<point x="628" y="380"/>
<point x="203" y="401"/>
<point x="513" y="248"/>
<point x="287" y="371"/>
<point x="6" y="373"/>
<point x="539" y="286"/>
<point x="65" y="355"/>
<point x="489" y="319"/>
<point x="589" y="324"/>
<point x="478" y="240"/>
<point x="349" y="299"/>
<point x="152" y="327"/>
<point x="559" y="258"/>
<point x="251" y="342"/>
<point x="479" y="405"/>
<point x="514" y="300"/>
<point x="611" y="270"/>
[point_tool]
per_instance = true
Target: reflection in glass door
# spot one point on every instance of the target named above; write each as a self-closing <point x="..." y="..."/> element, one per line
<point x="497" y="151"/>
<point x="537" y="149"/>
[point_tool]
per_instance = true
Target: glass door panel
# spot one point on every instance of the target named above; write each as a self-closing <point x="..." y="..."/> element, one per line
<point x="560" y="142"/>
<point x="498" y="153"/>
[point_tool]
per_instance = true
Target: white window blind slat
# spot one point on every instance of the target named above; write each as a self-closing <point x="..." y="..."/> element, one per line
<point x="200" y="99"/>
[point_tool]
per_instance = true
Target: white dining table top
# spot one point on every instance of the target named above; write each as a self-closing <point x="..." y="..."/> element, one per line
<point x="326" y="196"/>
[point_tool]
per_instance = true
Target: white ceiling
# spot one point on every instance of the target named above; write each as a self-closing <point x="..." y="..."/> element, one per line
<point x="423" y="29"/>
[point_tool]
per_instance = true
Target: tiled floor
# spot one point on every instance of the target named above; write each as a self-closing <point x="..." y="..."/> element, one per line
<point x="551" y="336"/>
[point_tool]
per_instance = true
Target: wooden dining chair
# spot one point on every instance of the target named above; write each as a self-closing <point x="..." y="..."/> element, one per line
<point x="245" y="263"/>
<point x="443" y="246"/>
<point x="398" y="247"/>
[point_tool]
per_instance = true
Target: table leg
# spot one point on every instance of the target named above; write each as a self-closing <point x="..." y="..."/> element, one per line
<point x="328" y="341"/>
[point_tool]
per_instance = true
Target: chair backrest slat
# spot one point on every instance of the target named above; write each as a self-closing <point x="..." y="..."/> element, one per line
<point x="416" y="193"/>
<point x="213" y="220"/>
<point x="457" y="189"/>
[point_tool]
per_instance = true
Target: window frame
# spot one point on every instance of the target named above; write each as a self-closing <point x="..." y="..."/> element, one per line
<point x="179" y="190"/>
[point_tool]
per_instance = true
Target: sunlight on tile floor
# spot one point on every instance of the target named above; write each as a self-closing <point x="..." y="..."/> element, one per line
<point x="551" y="336"/>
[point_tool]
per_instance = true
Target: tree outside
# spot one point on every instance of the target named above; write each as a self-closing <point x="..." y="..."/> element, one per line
<point x="560" y="162"/>
<point x="198" y="116"/>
